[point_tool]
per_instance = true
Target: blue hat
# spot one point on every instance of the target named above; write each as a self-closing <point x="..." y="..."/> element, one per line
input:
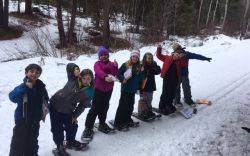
<point x="103" y="51"/>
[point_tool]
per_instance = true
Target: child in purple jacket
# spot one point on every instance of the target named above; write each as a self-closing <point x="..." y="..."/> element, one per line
<point x="105" y="71"/>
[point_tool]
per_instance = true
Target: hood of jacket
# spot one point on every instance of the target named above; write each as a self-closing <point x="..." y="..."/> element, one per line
<point x="70" y="71"/>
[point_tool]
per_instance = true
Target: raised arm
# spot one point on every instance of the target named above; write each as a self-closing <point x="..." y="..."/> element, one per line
<point x="159" y="54"/>
<point x="190" y="55"/>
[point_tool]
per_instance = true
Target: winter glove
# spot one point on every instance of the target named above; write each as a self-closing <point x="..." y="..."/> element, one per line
<point x="209" y="59"/>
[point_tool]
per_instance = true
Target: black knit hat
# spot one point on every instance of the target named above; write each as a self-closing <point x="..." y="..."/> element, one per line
<point x="33" y="66"/>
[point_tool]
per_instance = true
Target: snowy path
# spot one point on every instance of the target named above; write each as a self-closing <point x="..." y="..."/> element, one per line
<point x="215" y="130"/>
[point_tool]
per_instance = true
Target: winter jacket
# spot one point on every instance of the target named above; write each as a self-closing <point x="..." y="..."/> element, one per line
<point x="184" y="62"/>
<point x="29" y="101"/>
<point x="150" y="72"/>
<point x="134" y="82"/>
<point x="70" y="99"/>
<point x="102" y="70"/>
<point x="167" y="61"/>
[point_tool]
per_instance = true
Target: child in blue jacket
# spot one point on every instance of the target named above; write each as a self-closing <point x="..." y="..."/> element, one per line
<point x="31" y="97"/>
<point x="131" y="75"/>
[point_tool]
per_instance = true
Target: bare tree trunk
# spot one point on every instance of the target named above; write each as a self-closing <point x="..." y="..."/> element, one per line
<point x="1" y="12"/>
<point x="246" y="9"/>
<point x="244" y="22"/>
<point x="72" y="22"/>
<point x="28" y="7"/>
<point x="199" y="16"/>
<point x="60" y="24"/>
<point x="143" y="11"/>
<point x="106" y="27"/>
<point x="216" y="5"/>
<point x="6" y="14"/>
<point x="225" y="15"/>
<point x="174" y="17"/>
<point x="18" y="5"/>
<point x="97" y="16"/>
<point x="164" y="15"/>
<point x="208" y="13"/>
<point x="48" y="6"/>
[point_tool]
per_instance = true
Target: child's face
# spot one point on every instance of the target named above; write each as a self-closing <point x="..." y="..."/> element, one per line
<point x="134" y="59"/>
<point x="33" y="74"/>
<point x="149" y="59"/>
<point x="77" y="72"/>
<point x="86" y="80"/>
<point x="104" y="58"/>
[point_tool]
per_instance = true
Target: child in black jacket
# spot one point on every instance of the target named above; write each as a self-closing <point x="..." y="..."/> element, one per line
<point x="148" y="86"/>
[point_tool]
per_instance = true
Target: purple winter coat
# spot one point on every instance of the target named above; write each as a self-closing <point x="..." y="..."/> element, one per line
<point x="102" y="70"/>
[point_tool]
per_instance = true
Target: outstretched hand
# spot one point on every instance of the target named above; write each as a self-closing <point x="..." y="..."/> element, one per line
<point x="209" y="59"/>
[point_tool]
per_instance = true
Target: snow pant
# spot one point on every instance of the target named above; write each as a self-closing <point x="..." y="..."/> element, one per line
<point x="61" y="122"/>
<point x="24" y="140"/>
<point x="170" y="82"/>
<point x="100" y="106"/>
<point x="145" y="102"/>
<point x="186" y="89"/>
<point x="125" y="109"/>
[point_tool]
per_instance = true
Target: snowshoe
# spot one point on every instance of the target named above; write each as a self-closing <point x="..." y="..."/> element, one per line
<point x="142" y="117"/>
<point x="87" y="135"/>
<point x="246" y="129"/>
<point x="146" y="118"/>
<point x="164" y="111"/>
<point x="133" y="123"/>
<point x="60" y="151"/>
<point x="187" y="112"/>
<point x="203" y="101"/>
<point x="189" y="102"/>
<point x="76" y="145"/>
<point x="178" y="104"/>
<point x="151" y="114"/>
<point x="123" y="128"/>
<point x="104" y="128"/>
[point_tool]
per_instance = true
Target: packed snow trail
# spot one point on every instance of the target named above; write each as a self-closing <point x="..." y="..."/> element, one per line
<point x="225" y="80"/>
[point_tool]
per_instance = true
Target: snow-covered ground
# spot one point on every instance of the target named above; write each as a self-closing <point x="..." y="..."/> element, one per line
<point x="215" y="130"/>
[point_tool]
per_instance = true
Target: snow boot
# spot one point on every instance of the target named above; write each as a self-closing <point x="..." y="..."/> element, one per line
<point x="151" y="114"/>
<point x="142" y="115"/>
<point x="76" y="145"/>
<point x="189" y="102"/>
<point x="60" y="151"/>
<point x="178" y="104"/>
<point x="133" y="123"/>
<point x="87" y="135"/>
<point x="105" y="128"/>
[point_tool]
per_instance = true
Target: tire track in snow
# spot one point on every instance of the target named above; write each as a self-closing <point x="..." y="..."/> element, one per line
<point x="227" y="89"/>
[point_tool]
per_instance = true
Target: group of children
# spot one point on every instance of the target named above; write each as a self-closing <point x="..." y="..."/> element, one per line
<point x="84" y="90"/>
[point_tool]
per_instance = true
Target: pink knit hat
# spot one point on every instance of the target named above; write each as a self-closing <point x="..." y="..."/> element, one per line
<point x="135" y="53"/>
